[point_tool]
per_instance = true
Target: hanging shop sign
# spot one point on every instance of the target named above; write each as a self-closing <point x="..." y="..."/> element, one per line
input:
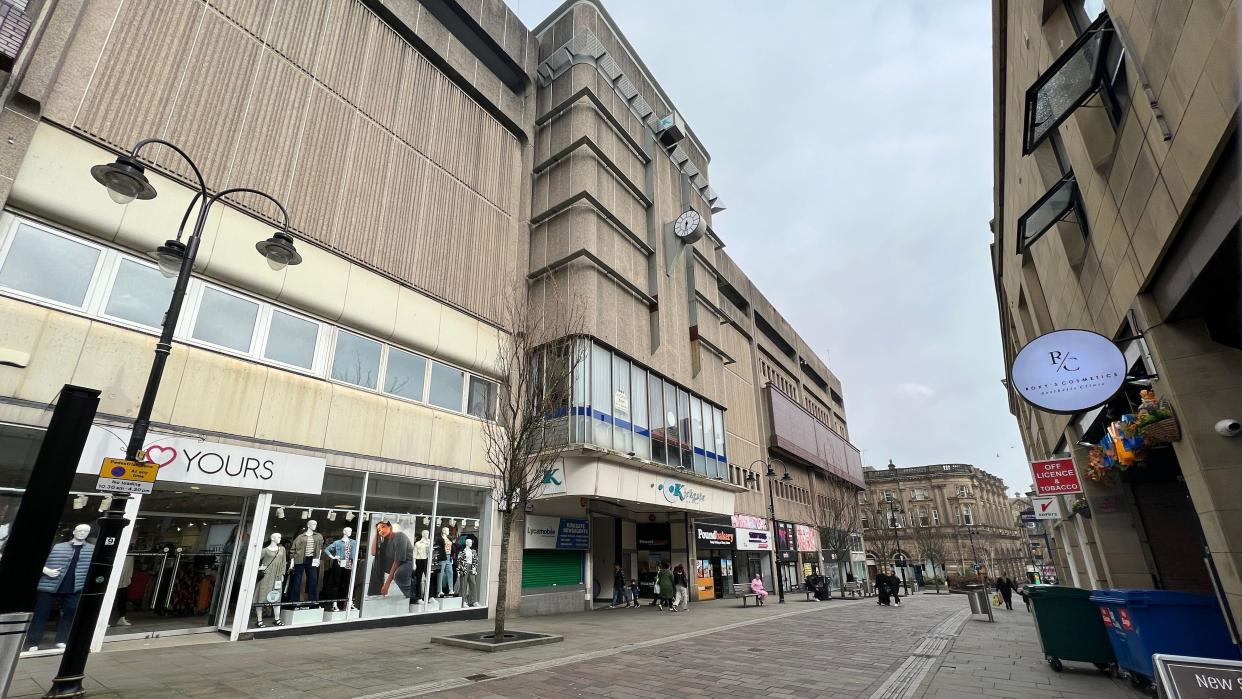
<point x="753" y="540"/>
<point x="1066" y="371"/>
<point x="713" y="536"/>
<point x="190" y="460"/>
<point x="1056" y="477"/>
<point x="561" y="533"/>
<point x="1046" y="508"/>
<point x="553" y="480"/>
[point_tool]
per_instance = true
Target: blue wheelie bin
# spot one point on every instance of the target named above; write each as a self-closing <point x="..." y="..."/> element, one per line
<point x="1141" y="623"/>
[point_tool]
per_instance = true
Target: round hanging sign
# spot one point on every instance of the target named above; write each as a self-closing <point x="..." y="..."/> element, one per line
<point x="1066" y="371"/>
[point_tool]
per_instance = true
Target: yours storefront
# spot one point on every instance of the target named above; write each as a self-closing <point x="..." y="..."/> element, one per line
<point x="238" y="538"/>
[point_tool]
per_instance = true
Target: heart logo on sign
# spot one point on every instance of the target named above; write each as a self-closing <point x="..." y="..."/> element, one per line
<point x="161" y="456"/>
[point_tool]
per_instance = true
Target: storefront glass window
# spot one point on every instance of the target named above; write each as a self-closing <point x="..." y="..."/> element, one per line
<point x="659" y="428"/>
<point x="139" y="294"/>
<point x="683" y="416"/>
<point x="226" y="320"/>
<point x="291" y="340"/>
<point x="601" y="396"/>
<point x="33" y="252"/>
<point x="356" y="360"/>
<point x="672" y="426"/>
<point x="462" y="510"/>
<point x="621" y="403"/>
<point x="696" y="436"/>
<point x="579" y="431"/>
<point x="722" y="463"/>
<point x="638" y="404"/>
<point x="397" y="542"/>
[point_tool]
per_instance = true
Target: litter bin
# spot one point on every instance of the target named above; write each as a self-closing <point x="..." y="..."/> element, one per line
<point x="1070" y="628"/>
<point x="1141" y="623"/>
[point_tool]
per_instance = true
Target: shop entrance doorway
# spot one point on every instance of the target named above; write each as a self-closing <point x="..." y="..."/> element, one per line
<point x="179" y="575"/>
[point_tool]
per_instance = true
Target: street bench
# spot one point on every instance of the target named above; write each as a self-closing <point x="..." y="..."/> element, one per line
<point x="742" y="590"/>
<point x="854" y="589"/>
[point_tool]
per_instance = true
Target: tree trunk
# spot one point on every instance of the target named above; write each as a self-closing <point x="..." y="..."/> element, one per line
<point x="841" y="570"/>
<point x="502" y="593"/>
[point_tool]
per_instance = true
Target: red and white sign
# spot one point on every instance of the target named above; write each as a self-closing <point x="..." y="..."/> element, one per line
<point x="1046" y="508"/>
<point x="1126" y="624"/>
<point x="1056" y="477"/>
<point x="1106" y="616"/>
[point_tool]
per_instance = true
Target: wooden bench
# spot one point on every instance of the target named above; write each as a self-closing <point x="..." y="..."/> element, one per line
<point x="854" y="589"/>
<point x="743" y="590"/>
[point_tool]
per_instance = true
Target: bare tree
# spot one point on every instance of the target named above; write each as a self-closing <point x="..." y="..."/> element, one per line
<point x="839" y="523"/>
<point x="535" y="362"/>
<point x="933" y="545"/>
<point x="882" y="536"/>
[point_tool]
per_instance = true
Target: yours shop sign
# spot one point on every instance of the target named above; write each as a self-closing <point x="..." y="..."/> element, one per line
<point x="189" y="460"/>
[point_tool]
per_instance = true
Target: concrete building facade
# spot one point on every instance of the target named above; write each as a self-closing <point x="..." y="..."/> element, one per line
<point x="1117" y="211"/>
<point x="940" y="520"/>
<point x="433" y="156"/>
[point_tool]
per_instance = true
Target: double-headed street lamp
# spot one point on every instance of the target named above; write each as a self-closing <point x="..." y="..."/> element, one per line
<point x="770" y="474"/>
<point x="126" y="181"/>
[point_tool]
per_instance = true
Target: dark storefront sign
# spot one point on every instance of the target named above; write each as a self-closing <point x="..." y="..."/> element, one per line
<point x="714" y="536"/>
<point x="653" y="535"/>
<point x="787" y="556"/>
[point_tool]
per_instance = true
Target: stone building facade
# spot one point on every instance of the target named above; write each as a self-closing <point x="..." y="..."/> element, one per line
<point x="957" y="513"/>
<point x="1117" y="207"/>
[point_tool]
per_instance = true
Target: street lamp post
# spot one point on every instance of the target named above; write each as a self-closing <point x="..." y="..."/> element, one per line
<point x="126" y="181"/>
<point x="771" y="476"/>
<point x="970" y="531"/>
<point x="892" y="520"/>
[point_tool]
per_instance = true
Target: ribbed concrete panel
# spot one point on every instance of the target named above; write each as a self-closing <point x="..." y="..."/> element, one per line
<point x="139" y="74"/>
<point x="407" y="174"/>
<point x="248" y="14"/>
<point x="386" y="62"/>
<point x="359" y="230"/>
<point x="264" y="156"/>
<point x="341" y="63"/>
<point x="218" y="82"/>
<point x="318" y="174"/>
<point x="296" y="29"/>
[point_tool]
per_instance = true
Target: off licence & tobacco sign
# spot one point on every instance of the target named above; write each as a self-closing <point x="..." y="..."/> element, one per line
<point x="1055" y="477"/>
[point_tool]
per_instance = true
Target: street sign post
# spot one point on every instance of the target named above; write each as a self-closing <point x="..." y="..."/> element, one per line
<point x="1055" y="477"/>
<point x="121" y="476"/>
<point x="1046" y="508"/>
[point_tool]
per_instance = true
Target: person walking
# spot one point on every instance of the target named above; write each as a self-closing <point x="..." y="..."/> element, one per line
<point x="664" y="587"/>
<point x="681" y="588"/>
<point x="882" y="589"/>
<point x="618" y="586"/>
<point x="1005" y="588"/>
<point x="1026" y="597"/>
<point x="756" y="586"/>
<point x="894" y="584"/>
<point x="635" y="589"/>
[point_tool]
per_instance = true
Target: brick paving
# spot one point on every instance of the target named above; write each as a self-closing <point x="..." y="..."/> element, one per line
<point x="800" y="649"/>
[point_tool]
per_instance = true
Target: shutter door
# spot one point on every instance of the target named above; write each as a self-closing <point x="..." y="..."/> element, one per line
<point x="548" y="568"/>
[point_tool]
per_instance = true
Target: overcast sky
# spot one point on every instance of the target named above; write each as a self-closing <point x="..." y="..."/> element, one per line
<point x="851" y="142"/>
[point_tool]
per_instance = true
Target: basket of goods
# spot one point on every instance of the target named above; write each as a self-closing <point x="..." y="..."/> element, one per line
<point x="1155" y="420"/>
<point x="1081" y="508"/>
<point x="1122" y="443"/>
<point x="1097" y="469"/>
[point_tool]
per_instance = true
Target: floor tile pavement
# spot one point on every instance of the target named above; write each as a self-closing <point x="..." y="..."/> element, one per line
<point x="1004" y="659"/>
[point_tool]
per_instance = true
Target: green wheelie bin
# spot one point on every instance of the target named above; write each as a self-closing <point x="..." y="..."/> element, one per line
<point x="1070" y="627"/>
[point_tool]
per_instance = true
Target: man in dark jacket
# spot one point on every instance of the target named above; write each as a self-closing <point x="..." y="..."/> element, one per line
<point x="618" y="586"/>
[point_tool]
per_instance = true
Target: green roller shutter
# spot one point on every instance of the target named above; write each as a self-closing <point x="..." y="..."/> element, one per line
<point x="548" y="568"/>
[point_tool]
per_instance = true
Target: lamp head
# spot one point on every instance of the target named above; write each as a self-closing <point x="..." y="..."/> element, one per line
<point x="279" y="251"/>
<point x="169" y="257"/>
<point x="125" y="179"/>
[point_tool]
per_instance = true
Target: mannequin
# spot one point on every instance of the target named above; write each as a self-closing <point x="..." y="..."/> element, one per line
<point x="272" y="566"/>
<point x="444" y="551"/>
<point x="468" y="573"/>
<point x="305" y="552"/>
<point x="393" y="550"/>
<point x="122" y="593"/>
<point x="343" y="553"/>
<point x="64" y="574"/>
<point x="422" y="555"/>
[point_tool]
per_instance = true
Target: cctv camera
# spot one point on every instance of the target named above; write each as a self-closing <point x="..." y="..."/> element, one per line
<point x="1229" y="428"/>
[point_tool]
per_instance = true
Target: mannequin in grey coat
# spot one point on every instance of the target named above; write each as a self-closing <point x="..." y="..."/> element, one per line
<point x="273" y="564"/>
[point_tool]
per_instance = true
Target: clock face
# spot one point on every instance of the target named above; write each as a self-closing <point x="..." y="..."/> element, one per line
<point x="687" y="223"/>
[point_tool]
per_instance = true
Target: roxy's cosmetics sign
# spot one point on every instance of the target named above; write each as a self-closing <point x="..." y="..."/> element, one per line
<point x="1068" y="370"/>
<point x="195" y="461"/>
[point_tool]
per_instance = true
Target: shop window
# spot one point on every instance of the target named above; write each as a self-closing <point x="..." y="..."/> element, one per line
<point x="445" y="389"/>
<point x="482" y="399"/>
<point x="404" y="374"/>
<point x="140" y="294"/>
<point x="620" y="404"/>
<point x="225" y="319"/>
<point x="687" y="437"/>
<point x="1067" y="84"/>
<point x="357" y="360"/>
<point x="718" y="430"/>
<point x="638" y="408"/>
<point x="696" y="436"/>
<point x="673" y="429"/>
<point x="33" y="253"/>
<point x="659" y="424"/>
<point x="601" y="396"/>
<point x="291" y="340"/>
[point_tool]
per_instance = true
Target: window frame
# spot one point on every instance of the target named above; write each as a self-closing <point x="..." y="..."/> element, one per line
<point x="1031" y="98"/>
<point x="91" y="300"/>
<point x="266" y="311"/>
<point x="108" y="287"/>
<point x="191" y="319"/>
<point x="1026" y="240"/>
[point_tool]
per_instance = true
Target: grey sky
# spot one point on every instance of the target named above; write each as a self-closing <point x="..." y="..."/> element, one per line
<point x="851" y="142"/>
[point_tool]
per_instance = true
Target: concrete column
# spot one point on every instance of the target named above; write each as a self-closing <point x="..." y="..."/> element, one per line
<point x="1069" y="554"/>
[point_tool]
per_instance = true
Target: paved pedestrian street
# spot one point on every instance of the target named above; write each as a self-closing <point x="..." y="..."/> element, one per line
<point x="854" y="648"/>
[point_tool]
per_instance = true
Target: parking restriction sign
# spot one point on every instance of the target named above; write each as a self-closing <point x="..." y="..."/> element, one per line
<point x="121" y="476"/>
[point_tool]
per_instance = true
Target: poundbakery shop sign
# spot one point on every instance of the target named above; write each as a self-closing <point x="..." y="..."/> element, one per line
<point x="189" y="460"/>
<point x="1068" y="370"/>
<point x="714" y="537"/>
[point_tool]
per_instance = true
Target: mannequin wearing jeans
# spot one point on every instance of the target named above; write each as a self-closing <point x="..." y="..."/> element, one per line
<point x="444" y="583"/>
<point x="305" y="552"/>
<point x="64" y="574"/>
